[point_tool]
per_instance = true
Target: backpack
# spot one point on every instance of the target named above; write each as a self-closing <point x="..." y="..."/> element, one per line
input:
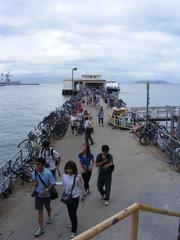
<point x="50" y="152"/>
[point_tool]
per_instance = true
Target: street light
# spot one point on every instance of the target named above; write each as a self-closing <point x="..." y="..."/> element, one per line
<point x="147" y="101"/>
<point x="74" y="69"/>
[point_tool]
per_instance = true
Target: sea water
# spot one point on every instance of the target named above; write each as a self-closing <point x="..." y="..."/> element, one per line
<point x="23" y="107"/>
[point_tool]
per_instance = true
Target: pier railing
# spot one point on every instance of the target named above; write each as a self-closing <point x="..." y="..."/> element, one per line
<point x="6" y="174"/>
<point x="132" y="211"/>
<point x="171" y="147"/>
<point x="157" y="113"/>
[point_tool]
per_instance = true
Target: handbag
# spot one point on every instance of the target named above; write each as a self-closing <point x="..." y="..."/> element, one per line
<point x="53" y="190"/>
<point x="54" y="193"/>
<point x="67" y="197"/>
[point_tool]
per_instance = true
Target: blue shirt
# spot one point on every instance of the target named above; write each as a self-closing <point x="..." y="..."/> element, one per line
<point x="86" y="160"/>
<point x="48" y="179"/>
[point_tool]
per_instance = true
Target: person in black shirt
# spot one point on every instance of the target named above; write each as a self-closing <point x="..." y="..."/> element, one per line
<point x="104" y="162"/>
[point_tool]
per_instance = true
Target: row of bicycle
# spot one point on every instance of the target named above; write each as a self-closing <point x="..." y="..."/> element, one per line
<point x="20" y="164"/>
<point x="152" y="132"/>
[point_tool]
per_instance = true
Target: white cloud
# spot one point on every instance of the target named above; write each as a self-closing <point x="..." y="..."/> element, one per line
<point x="132" y="39"/>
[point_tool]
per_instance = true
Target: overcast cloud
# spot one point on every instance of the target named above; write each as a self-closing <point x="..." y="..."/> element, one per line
<point x="125" y="40"/>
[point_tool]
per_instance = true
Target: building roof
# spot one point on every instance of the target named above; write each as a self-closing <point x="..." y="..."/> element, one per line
<point x="86" y="80"/>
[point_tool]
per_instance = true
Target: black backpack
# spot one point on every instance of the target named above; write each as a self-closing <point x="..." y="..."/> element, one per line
<point x="50" y="152"/>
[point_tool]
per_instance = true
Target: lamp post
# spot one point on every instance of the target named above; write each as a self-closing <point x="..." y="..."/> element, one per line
<point x="147" y="101"/>
<point x="74" y="69"/>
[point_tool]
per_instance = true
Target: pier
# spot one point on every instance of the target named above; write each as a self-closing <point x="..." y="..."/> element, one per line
<point x="141" y="175"/>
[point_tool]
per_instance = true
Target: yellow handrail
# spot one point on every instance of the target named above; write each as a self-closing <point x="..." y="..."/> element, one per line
<point x="131" y="210"/>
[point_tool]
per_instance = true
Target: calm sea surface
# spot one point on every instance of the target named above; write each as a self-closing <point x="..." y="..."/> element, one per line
<point x="23" y="107"/>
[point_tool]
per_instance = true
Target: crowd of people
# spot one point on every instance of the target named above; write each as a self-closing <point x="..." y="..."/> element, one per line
<point x="76" y="185"/>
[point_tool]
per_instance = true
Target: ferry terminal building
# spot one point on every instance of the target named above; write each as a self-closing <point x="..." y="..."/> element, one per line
<point x="88" y="81"/>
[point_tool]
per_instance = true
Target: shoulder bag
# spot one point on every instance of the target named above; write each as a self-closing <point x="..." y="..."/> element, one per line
<point x="67" y="198"/>
<point x="53" y="190"/>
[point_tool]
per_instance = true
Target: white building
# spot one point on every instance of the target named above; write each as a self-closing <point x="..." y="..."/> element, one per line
<point x="87" y="81"/>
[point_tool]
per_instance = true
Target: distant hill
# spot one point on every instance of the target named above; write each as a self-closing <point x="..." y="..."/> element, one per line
<point x="153" y="81"/>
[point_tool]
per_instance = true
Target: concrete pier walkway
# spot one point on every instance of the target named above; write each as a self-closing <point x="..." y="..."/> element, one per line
<point x="141" y="175"/>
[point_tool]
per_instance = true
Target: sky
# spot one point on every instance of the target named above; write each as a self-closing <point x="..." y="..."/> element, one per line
<point x="123" y="40"/>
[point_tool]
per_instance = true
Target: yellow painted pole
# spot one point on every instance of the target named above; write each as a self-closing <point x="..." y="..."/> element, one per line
<point x="132" y="210"/>
<point x="147" y="208"/>
<point x="107" y="223"/>
<point x="134" y="226"/>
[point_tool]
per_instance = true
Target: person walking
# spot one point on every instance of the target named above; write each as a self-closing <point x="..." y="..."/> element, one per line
<point x="74" y="126"/>
<point x="73" y="184"/>
<point x="42" y="193"/>
<point x="88" y="130"/>
<point x="51" y="156"/>
<point x="101" y="117"/>
<point x="87" y="162"/>
<point x="104" y="162"/>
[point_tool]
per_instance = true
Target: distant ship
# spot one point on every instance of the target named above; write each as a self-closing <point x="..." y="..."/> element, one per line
<point x="7" y="81"/>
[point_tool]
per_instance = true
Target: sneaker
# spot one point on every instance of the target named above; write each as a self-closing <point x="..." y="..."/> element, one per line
<point x="72" y="235"/>
<point x="106" y="203"/>
<point x="39" y="232"/>
<point x="49" y="220"/>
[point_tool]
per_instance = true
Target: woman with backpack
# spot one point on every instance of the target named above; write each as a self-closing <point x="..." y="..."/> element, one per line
<point x="87" y="162"/>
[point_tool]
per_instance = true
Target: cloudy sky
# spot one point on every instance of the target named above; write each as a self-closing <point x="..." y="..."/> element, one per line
<point x="123" y="40"/>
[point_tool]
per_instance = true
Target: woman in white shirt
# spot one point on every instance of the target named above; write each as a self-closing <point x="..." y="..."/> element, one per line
<point x="70" y="174"/>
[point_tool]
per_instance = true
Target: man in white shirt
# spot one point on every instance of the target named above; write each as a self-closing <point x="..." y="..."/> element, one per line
<point x="74" y="126"/>
<point x="88" y="131"/>
<point x="51" y="156"/>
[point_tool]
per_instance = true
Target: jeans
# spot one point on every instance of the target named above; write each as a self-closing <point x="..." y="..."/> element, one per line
<point x="86" y="177"/>
<point x="104" y="184"/>
<point x="72" y="209"/>
<point x="101" y="121"/>
<point x="88" y="137"/>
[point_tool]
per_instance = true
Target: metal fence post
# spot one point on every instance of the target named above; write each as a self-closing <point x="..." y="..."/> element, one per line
<point x="21" y="156"/>
<point x="10" y="173"/>
<point x="134" y="226"/>
<point x="179" y="231"/>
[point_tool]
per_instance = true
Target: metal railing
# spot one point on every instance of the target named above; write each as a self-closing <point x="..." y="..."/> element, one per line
<point x="6" y="174"/>
<point x="120" y="121"/>
<point x="132" y="210"/>
<point x="171" y="146"/>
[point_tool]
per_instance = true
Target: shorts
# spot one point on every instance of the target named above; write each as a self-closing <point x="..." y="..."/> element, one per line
<point x="41" y="202"/>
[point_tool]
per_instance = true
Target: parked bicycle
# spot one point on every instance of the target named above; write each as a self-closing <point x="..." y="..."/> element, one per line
<point x="150" y="133"/>
<point x="23" y="169"/>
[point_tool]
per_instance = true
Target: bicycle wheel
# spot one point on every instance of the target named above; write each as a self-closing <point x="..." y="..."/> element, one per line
<point x="162" y="130"/>
<point x="144" y="139"/>
<point x="40" y="125"/>
<point x="138" y="132"/>
<point x="25" y="173"/>
<point x="59" y="131"/>
<point x="23" y="143"/>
